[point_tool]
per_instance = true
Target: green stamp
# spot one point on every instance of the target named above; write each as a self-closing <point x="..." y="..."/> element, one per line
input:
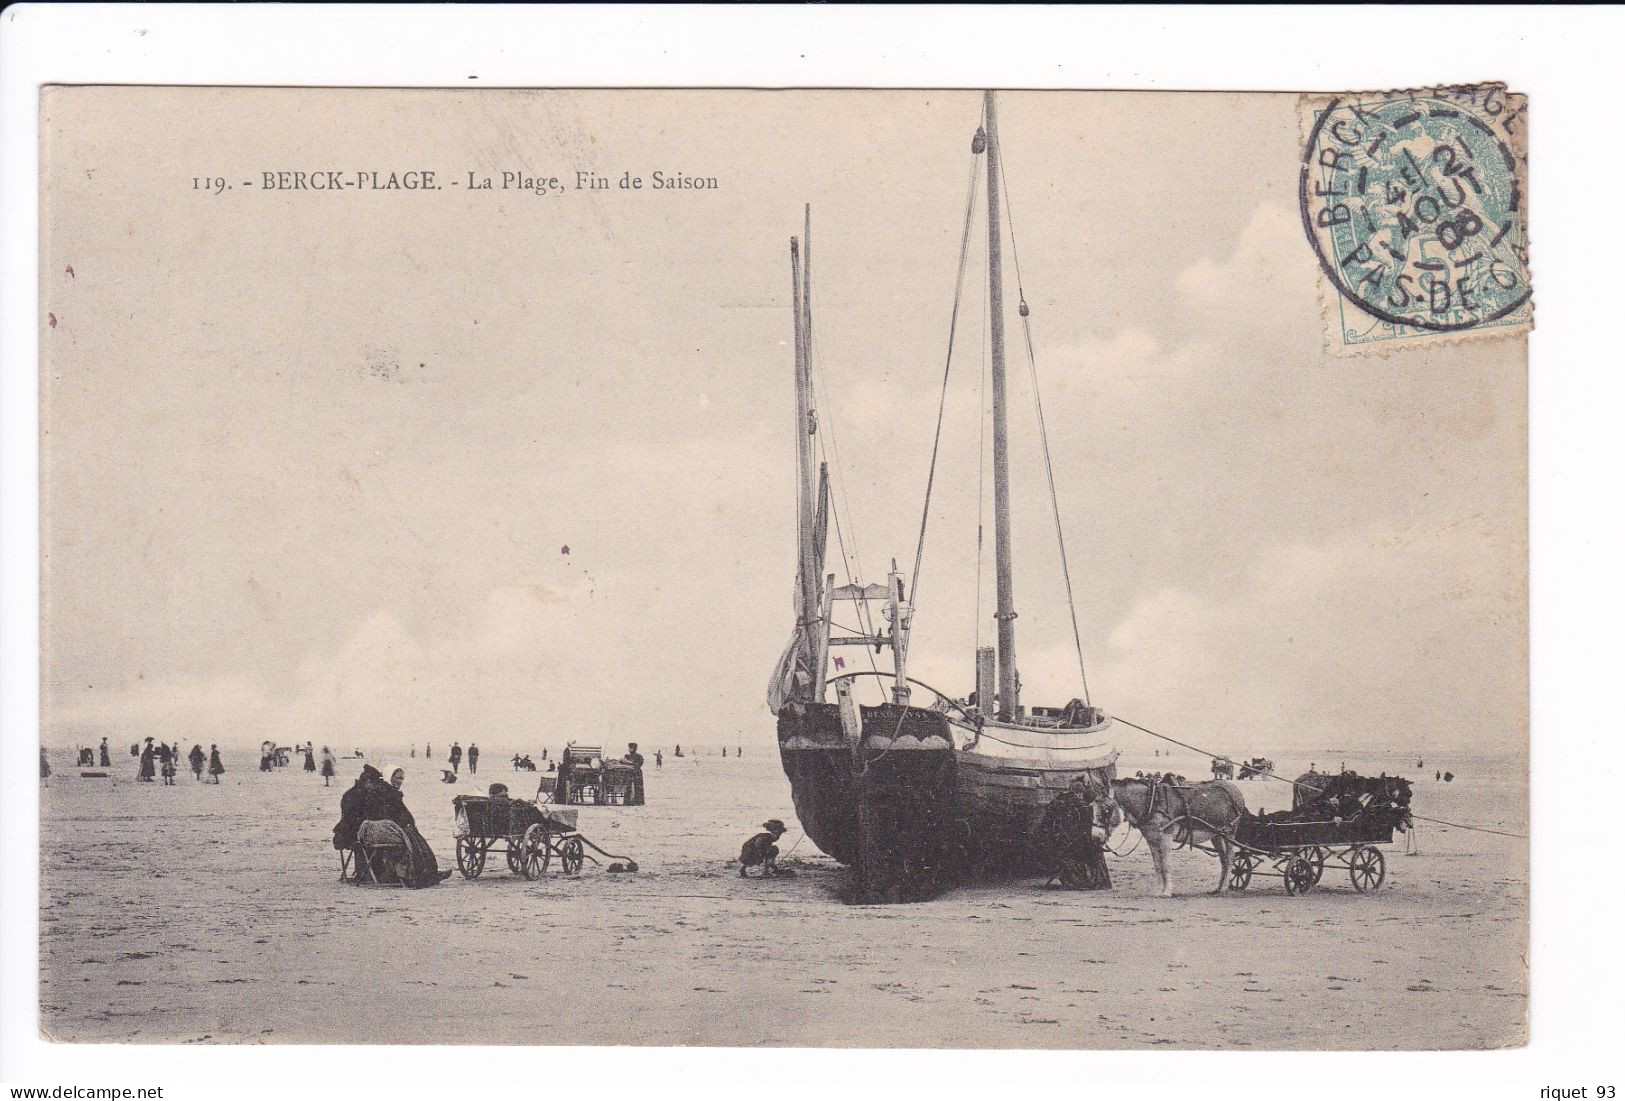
<point x="1416" y="207"/>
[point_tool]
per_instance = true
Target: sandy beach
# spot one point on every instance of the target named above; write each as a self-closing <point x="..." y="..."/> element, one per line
<point x="202" y="914"/>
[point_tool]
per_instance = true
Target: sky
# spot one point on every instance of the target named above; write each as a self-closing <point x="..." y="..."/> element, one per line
<point x="398" y="467"/>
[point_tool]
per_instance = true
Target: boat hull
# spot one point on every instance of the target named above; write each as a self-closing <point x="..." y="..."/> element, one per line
<point x="897" y="802"/>
<point x="876" y="792"/>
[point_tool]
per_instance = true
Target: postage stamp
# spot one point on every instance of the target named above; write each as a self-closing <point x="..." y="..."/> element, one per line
<point x="1416" y="204"/>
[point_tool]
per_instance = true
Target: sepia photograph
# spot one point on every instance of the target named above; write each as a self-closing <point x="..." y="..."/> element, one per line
<point x="895" y="549"/>
<point x="858" y="568"/>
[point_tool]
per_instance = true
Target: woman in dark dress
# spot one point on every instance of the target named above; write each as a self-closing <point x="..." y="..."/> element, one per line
<point x="1074" y="829"/>
<point x="146" y="772"/>
<point x="310" y="757"/>
<point x="216" y="767"/>
<point x="422" y="870"/>
<point x="196" y="760"/>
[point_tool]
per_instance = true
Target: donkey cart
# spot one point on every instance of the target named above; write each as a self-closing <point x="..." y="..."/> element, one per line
<point x="1300" y="852"/>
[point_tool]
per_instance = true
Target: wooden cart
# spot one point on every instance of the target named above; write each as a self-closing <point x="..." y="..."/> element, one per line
<point x="530" y="836"/>
<point x="1300" y="852"/>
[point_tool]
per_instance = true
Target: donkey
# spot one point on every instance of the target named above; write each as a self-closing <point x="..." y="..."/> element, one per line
<point x="1168" y="813"/>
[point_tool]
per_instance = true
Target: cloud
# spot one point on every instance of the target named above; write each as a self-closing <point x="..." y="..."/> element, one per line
<point x="530" y="652"/>
<point x="1377" y="637"/>
<point x="1271" y="258"/>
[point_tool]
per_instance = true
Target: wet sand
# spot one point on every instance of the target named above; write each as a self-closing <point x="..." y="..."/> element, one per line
<point x="203" y="914"/>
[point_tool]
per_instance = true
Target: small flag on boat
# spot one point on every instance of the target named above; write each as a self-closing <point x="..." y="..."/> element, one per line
<point x="840" y="663"/>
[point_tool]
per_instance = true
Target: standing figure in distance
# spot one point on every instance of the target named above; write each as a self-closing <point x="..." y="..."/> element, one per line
<point x="473" y="758"/>
<point x="217" y="768"/>
<point x="456" y="756"/>
<point x="330" y="767"/>
<point x="107" y="757"/>
<point x="196" y="760"/>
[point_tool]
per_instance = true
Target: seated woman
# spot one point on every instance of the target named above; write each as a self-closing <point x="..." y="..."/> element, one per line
<point x="372" y="798"/>
<point x="421" y="869"/>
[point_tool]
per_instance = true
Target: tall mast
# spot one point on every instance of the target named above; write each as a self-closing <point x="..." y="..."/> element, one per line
<point x="809" y="426"/>
<point x="1009" y="702"/>
<point x="806" y="566"/>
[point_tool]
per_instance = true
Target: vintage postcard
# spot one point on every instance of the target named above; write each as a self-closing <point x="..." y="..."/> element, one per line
<point x="889" y="569"/>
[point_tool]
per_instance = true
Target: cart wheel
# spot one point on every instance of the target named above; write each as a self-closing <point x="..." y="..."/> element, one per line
<point x="1299" y="876"/>
<point x="1367" y="869"/>
<point x="533" y="852"/>
<point x="1241" y="871"/>
<point x="570" y="855"/>
<point x="1317" y="860"/>
<point x="516" y="855"/>
<point x="470" y="857"/>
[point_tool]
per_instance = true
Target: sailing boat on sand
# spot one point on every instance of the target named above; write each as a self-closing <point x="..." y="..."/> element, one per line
<point x="917" y="798"/>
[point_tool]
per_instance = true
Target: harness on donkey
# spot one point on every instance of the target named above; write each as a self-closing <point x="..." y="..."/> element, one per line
<point x="1175" y="792"/>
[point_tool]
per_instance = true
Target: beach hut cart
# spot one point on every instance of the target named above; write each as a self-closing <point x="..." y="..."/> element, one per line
<point x="618" y="783"/>
<point x="581" y="776"/>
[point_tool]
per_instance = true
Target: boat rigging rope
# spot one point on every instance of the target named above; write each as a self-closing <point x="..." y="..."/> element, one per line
<point x="1295" y="784"/>
<point x="947" y="366"/>
<point x="1043" y="432"/>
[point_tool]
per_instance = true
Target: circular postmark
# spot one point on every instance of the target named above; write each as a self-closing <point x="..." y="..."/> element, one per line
<point x="1414" y="207"/>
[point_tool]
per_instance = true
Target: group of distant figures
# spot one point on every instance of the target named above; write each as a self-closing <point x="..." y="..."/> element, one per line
<point x="455" y="759"/>
<point x="273" y="756"/>
<point x="155" y="761"/>
<point x="161" y="761"/>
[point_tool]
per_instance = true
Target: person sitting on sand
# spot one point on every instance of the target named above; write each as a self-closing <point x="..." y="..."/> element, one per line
<point x="761" y="851"/>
